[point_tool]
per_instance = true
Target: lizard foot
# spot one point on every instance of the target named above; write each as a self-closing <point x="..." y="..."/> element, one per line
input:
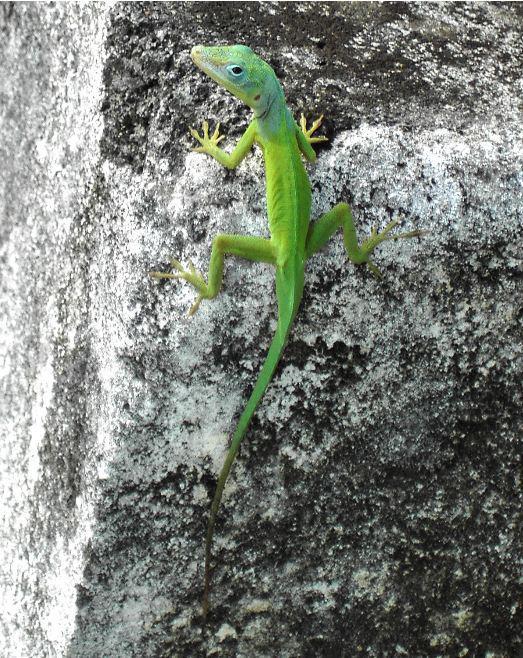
<point x="208" y="143"/>
<point x="308" y="131"/>
<point x="376" y="238"/>
<point x="192" y="276"/>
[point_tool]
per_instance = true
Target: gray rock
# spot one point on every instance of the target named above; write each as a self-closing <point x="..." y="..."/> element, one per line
<point x="375" y="508"/>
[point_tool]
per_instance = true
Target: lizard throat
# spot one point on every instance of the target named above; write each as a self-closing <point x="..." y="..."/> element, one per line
<point x="267" y="109"/>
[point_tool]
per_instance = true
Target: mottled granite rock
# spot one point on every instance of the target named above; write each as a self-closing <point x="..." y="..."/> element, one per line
<point x="375" y="508"/>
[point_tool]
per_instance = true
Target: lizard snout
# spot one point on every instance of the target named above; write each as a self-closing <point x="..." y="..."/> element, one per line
<point x="196" y="54"/>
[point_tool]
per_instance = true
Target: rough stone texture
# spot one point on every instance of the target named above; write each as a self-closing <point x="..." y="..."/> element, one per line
<point x="375" y="509"/>
<point x="50" y="448"/>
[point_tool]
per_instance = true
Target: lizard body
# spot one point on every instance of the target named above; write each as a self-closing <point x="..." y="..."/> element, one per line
<point x="293" y="239"/>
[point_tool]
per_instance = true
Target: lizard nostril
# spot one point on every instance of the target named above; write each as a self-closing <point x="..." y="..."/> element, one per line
<point x="195" y="53"/>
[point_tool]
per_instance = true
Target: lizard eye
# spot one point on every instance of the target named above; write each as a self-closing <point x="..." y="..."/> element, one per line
<point x="235" y="69"/>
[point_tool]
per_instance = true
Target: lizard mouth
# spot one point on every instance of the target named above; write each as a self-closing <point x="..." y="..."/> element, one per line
<point x="196" y="55"/>
<point x="206" y="58"/>
<point x="206" y="63"/>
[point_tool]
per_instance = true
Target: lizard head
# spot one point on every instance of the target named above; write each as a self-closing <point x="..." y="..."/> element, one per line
<point x="240" y="71"/>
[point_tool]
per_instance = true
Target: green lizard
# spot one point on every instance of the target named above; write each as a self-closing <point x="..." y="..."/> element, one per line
<point x="292" y="239"/>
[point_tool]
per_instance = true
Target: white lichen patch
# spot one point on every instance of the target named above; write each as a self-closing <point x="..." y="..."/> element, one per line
<point x="226" y="632"/>
<point x="257" y="606"/>
<point x="370" y="584"/>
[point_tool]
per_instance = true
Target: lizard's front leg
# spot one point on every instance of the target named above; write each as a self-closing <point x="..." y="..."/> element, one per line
<point x="209" y="144"/>
<point x="244" y="246"/>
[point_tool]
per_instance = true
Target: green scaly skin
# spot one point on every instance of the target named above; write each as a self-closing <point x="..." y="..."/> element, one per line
<point x="293" y="239"/>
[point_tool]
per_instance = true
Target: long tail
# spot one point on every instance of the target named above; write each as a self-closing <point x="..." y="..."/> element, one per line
<point x="264" y="378"/>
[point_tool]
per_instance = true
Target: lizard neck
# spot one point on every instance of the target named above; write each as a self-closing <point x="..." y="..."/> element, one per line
<point x="270" y="118"/>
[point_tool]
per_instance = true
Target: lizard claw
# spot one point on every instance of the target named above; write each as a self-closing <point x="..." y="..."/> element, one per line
<point x="308" y="131"/>
<point x="375" y="270"/>
<point x="376" y="238"/>
<point x="207" y="143"/>
<point x="195" y="306"/>
<point x="177" y="265"/>
<point x="162" y="275"/>
<point x="192" y="275"/>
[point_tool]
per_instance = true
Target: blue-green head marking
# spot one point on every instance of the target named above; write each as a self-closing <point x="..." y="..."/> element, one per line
<point x="240" y="71"/>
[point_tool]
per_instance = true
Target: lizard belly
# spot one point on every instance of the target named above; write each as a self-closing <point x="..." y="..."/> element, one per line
<point x="288" y="198"/>
<point x="288" y="209"/>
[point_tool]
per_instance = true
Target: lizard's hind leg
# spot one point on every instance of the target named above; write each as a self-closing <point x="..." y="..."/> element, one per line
<point x="341" y="216"/>
<point x="244" y="246"/>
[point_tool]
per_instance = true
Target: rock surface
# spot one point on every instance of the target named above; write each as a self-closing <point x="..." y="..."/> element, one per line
<point x="375" y="508"/>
